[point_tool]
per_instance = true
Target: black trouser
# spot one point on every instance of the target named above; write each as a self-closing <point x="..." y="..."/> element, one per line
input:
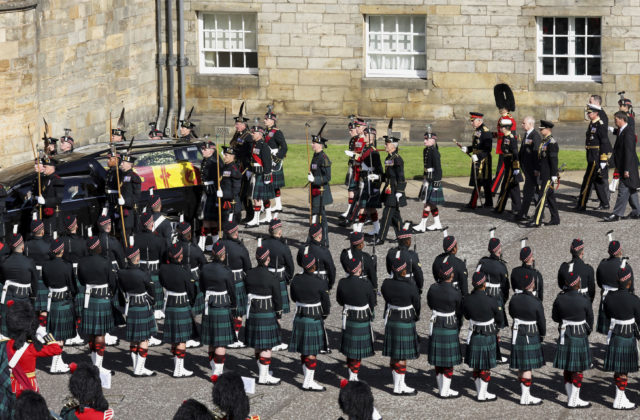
<point x="594" y="176"/>
<point x="528" y="190"/>
<point x="484" y="184"/>
<point x="547" y="199"/>
<point x="510" y="189"/>
<point x="390" y="217"/>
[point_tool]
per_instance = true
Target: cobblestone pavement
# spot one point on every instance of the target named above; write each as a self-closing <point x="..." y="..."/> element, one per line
<point x="160" y="396"/>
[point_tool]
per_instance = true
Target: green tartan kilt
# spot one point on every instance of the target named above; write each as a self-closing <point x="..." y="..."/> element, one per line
<point x="526" y="354"/>
<point x="481" y="352"/>
<point x="435" y="195"/>
<point x="78" y="302"/>
<point x="278" y="178"/>
<point x="61" y="322"/>
<point x="401" y="340"/>
<point x="574" y="355"/>
<point x="307" y="336"/>
<point x="622" y="355"/>
<point x="444" y="347"/>
<point x="41" y="297"/>
<point x="241" y="299"/>
<point x="217" y="327"/>
<point x="158" y="292"/>
<point x="97" y="319"/>
<point x="262" y="191"/>
<point x="357" y="342"/>
<point x="140" y="323"/>
<point x="198" y="306"/>
<point x="177" y="324"/>
<point x="262" y="331"/>
<point x="286" y="306"/>
<point x="602" y="326"/>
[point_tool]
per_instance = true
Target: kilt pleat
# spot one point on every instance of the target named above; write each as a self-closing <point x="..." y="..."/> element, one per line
<point x="481" y="352"/>
<point x="356" y="340"/>
<point x="198" y="306"/>
<point x="262" y="331"/>
<point x="444" y="347"/>
<point x="602" y="326"/>
<point x="307" y="336"/>
<point x="60" y="322"/>
<point x="97" y="319"/>
<point x="40" y="304"/>
<point x="574" y="355"/>
<point x="217" y="327"/>
<point x="262" y="191"/>
<point x="177" y="324"/>
<point x="79" y="301"/>
<point x="278" y="178"/>
<point x="526" y="354"/>
<point x="286" y="306"/>
<point x="622" y="355"/>
<point x="158" y="292"/>
<point x="401" y="340"/>
<point x="241" y="299"/>
<point x="141" y="323"/>
<point x="435" y="195"/>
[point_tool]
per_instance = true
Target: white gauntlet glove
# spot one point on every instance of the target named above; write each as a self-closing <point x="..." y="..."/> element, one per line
<point x="219" y="193"/>
<point x="464" y="149"/>
<point x="474" y="158"/>
<point x="349" y="153"/>
<point x="310" y="177"/>
<point x="554" y="179"/>
<point x="398" y="196"/>
<point x="120" y="200"/>
<point x="41" y="200"/>
<point x="516" y="172"/>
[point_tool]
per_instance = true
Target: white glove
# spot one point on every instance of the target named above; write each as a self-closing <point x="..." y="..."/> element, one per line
<point x="464" y="149"/>
<point x="248" y="174"/>
<point x="611" y="129"/>
<point x="219" y="194"/>
<point x="349" y="153"/>
<point x="603" y="165"/>
<point x="120" y="200"/>
<point x="516" y="172"/>
<point x="554" y="179"/>
<point x="274" y="152"/>
<point x="474" y="158"/>
<point x="40" y="200"/>
<point x="41" y="332"/>
<point x="398" y="196"/>
<point x="310" y="177"/>
<point x="373" y="177"/>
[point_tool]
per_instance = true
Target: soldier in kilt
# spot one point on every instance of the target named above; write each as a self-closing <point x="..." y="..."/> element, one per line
<point x="481" y="310"/>
<point x="220" y="304"/>
<point x="99" y="281"/>
<point x="57" y="276"/>
<point x="239" y="262"/>
<point x="358" y="299"/>
<point x="623" y="309"/>
<point x="322" y="254"/>
<point x="209" y="201"/>
<point x="260" y="172"/>
<point x="308" y="336"/>
<point x="135" y="283"/>
<point x="392" y="195"/>
<point x="264" y="310"/>
<point x="230" y="185"/>
<point x="179" y="292"/>
<point x="194" y="260"/>
<point x="355" y="251"/>
<point x="572" y="311"/>
<point x="401" y="340"/>
<point x="414" y="268"/>
<point x="431" y="184"/>
<point x="529" y="329"/>
<point x="445" y="302"/>
<point x="579" y="267"/>
<point x="37" y="248"/>
<point x="319" y="177"/>
<point x="460" y="274"/>
<point x="521" y="276"/>
<point x="278" y="145"/>
<point x="352" y="182"/>
<point x="607" y="280"/>
<point x="152" y="250"/>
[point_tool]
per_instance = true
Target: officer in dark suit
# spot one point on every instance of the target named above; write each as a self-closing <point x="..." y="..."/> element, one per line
<point x="598" y="151"/>
<point x="528" y="157"/>
<point x="577" y="267"/>
<point x="392" y="195"/>
<point x="512" y="177"/>
<point x="460" y="275"/>
<point x="480" y="152"/>
<point x="319" y="177"/>
<point x="547" y="167"/>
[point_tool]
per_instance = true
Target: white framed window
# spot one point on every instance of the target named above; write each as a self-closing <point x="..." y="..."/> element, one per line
<point x="569" y="49"/>
<point x="228" y="43"/>
<point x="396" y="46"/>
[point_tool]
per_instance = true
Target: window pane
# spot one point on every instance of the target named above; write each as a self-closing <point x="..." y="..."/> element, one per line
<point x="404" y="43"/>
<point x="562" y="26"/>
<point x="593" y="46"/>
<point x="418" y="24"/>
<point x="580" y="47"/>
<point x="249" y="22"/>
<point x="547" y="26"/>
<point x="250" y="41"/>
<point x="223" y="40"/>
<point x="404" y="62"/>
<point x="375" y="42"/>
<point x="209" y="21"/>
<point x="222" y="21"/>
<point x="562" y="66"/>
<point x="547" y="66"/>
<point x="252" y="59"/>
<point x="389" y="23"/>
<point x="236" y="22"/>
<point x="237" y="41"/>
<point x="224" y="59"/>
<point x="562" y="45"/>
<point x="593" y="66"/>
<point x="375" y="62"/>
<point x="594" y="26"/>
<point x="581" y="65"/>
<point x="210" y="59"/>
<point x="404" y="23"/>
<point x="375" y="23"/>
<point x="389" y="62"/>
<point x="547" y="45"/>
<point x="580" y="23"/>
<point x="388" y="42"/>
<point x="418" y="43"/>
<point x="419" y="62"/>
<point x="237" y="59"/>
<point x="209" y="40"/>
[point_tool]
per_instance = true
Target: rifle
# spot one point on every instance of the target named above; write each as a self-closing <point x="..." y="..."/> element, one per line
<point x="35" y="157"/>
<point x="306" y="133"/>
<point x="117" y="168"/>
<point x="219" y="199"/>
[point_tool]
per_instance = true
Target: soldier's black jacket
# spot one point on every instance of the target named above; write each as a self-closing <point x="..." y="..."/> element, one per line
<point x="241" y="142"/>
<point x="622" y="305"/>
<point x="58" y="273"/>
<point x="400" y="291"/>
<point x="414" y="269"/>
<point x="579" y="268"/>
<point x="96" y="269"/>
<point x="237" y="255"/>
<point x="189" y="137"/>
<point x="218" y="277"/>
<point x="368" y="266"/>
<point x="572" y="306"/>
<point x="20" y="269"/>
<point x="607" y="272"/>
<point x="431" y="160"/>
<point x="135" y="280"/>
<point x="547" y="158"/>
<point x="162" y="228"/>
<point x="356" y="291"/>
<point x="75" y="247"/>
<point x="152" y="246"/>
<point x="394" y="181"/>
<point x="308" y="288"/>
<point x="52" y="191"/>
<point x="130" y="189"/>
<point x="280" y="256"/>
<point x="510" y="155"/>
<point x="275" y="140"/>
<point x="231" y="181"/>
<point x="175" y="278"/>
<point x="496" y="270"/>
<point x="37" y="249"/>
<point x="320" y="168"/>
<point x="597" y="142"/>
<point x="527" y="307"/>
<point x="460" y="274"/>
<point x="482" y="143"/>
<point x="481" y="307"/>
<point x="521" y="277"/>
<point x="445" y="298"/>
<point x="112" y="249"/>
<point x="111" y="184"/>
<point x="193" y="255"/>
<point x="209" y="173"/>
<point x="324" y="260"/>
<point x="528" y="154"/>
<point x="261" y="281"/>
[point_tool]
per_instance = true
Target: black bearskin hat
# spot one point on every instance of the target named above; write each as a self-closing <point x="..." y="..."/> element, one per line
<point x="356" y="400"/>
<point x="229" y="395"/>
<point x="31" y="406"/>
<point x="21" y="323"/>
<point x="86" y="387"/>
<point x="192" y="410"/>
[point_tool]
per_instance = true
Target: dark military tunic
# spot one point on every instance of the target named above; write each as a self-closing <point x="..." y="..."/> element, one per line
<point x="395" y="184"/>
<point x="38" y="250"/>
<point x="320" y="190"/>
<point x="578" y="268"/>
<point x="547" y="165"/>
<point x="281" y="264"/>
<point x="481" y="146"/>
<point x="414" y="268"/>
<point x="355" y="293"/>
<point x="446" y="303"/>
<point x="308" y="336"/>
<point x="521" y="277"/>
<point x="137" y="288"/>
<point x="275" y="140"/>
<point x="324" y="261"/>
<point x="230" y="184"/>
<point x="573" y="352"/>
<point x="400" y="338"/>
<point x="622" y="351"/>
<point x="112" y="249"/>
<point x="162" y="226"/>
<point x="152" y="252"/>
<point x="478" y="307"/>
<point x="529" y="327"/>
<point x="241" y="142"/>
<point x="460" y="274"/>
<point x="209" y="174"/>
<point x="261" y="165"/>
<point x="369" y="268"/>
<point x="97" y="277"/>
<point x="607" y="280"/>
<point x="53" y="193"/>
<point x="239" y="262"/>
<point x="61" y="322"/>
<point x="216" y="281"/>
<point x="510" y="182"/>
<point x="265" y="306"/>
<point x="178" y="324"/>
<point x="131" y="184"/>
<point x="370" y="164"/>
<point x="433" y="193"/>
<point x="528" y="157"/>
<point x="598" y="151"/>
<point x="497" y="284"/>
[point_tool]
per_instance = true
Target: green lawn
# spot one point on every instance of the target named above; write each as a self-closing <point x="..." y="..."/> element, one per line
<point x="454" y="162"/>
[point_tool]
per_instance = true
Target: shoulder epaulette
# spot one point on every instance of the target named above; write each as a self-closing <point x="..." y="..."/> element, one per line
<point x="484" y="128"/>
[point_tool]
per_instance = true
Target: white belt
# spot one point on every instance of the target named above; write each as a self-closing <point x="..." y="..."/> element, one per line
<point x="168" y="293"/>
<point x="584" y="291"/>
<point x="87" y="293"/>
<point x="348" y="308"/>
<point x="256" y="165"/>
<point x="518" y="291"/>
<point x="516" y="324"/>
<point x="565" y="324"/>
<point x="209" y="182"/>
<point x="322" y="272"/>
<point x="606" y="289"/>
<point x="436" y="314"/>
<point x="429" y="170"/>
<point x="207" y="295"/>
<point x="14" y="284"/>
<point x="50" y="294"/>
<point x="240" y="270"/>
<point x="128" y="297"/>
<point x="615" y="322"/>
<point x="75" y="268"/>
<point x="493" y="285"/>
<point x="274" y="270"/>
<point x="112" y="191"/>
<point x="251" y="297"/>
<point x="473" y="323"/>
<point x="195" y="269"/>
<point x="403" y="309"/>
<point x="149" y="262"/>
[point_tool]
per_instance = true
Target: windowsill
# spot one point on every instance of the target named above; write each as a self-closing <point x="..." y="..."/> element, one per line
<point x="227" y="80"/>
<point x="394" y="82"/>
